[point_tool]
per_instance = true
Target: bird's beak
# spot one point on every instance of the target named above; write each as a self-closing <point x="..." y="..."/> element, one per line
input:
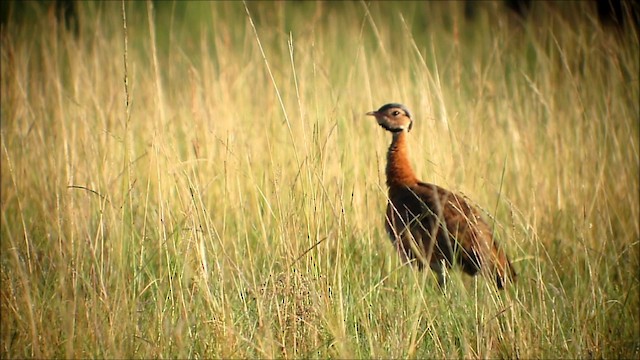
<point x="372" y="113"/>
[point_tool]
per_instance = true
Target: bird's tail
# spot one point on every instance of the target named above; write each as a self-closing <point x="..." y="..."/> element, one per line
<point x="503" y="269"/>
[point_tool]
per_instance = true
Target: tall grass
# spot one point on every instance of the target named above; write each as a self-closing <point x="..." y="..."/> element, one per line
<point x="228" y="202"/>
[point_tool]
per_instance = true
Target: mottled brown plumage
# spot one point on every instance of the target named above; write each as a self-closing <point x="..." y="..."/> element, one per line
<point x="429" y="224"/>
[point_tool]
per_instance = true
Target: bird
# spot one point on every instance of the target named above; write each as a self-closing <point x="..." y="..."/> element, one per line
<point x="430" y="225"/>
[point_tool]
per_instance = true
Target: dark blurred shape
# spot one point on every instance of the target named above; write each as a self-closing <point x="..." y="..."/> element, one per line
<point x="614" y="12"/>
<point x="469" y="11"/>
<point x="611" y="13"/>
<point x="519" y="7"/>
<point x="4" y="12"/>
<point x="66" y="11"/>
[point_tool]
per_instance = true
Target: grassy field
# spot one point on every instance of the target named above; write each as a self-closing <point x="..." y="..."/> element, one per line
<point x="222" y="195"/>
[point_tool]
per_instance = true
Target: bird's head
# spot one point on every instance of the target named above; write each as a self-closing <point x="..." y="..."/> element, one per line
<point x="393" y="117"/>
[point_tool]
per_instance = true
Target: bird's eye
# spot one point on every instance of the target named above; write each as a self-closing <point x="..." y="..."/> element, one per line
<point x="395" y="113"/>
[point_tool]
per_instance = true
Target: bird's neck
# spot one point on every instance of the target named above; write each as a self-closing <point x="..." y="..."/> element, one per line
<point x="399" y="171"/>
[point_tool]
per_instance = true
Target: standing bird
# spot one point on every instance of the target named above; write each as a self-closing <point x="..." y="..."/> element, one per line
<point x="429" y="224"/>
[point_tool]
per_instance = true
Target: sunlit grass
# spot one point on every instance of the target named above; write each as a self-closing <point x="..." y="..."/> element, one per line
<point x="235" y="207"/>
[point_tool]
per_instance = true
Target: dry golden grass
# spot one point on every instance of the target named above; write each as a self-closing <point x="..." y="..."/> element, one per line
<point x="234" y="207"/>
